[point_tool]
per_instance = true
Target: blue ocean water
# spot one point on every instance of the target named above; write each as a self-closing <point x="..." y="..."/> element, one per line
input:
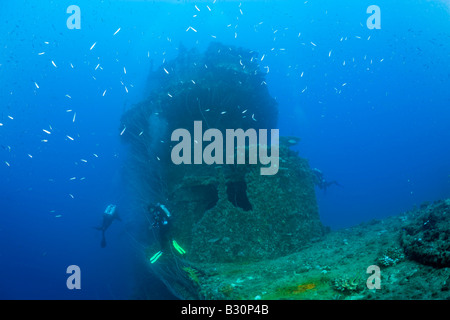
<point x="370" y="105"/>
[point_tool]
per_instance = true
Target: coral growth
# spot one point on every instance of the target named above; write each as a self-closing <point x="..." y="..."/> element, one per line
<point x="346" y="284"/>
<point x="193" y="274"/>
<point x="303" y="287"/>
<point x="426" y="239"/>
<point x="391" y="257"/>
<point x="291" y="291"/>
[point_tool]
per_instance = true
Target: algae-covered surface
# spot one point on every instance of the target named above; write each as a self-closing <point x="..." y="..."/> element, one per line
<point x="334" y="267"/>
<point x="224" y="215"/>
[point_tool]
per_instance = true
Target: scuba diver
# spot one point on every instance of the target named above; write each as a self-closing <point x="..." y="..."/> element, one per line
<point x="108" y="217"/>
<point x="161" y="220"/>
<point x="320" y="181"/>
<point x="161" y="217"/>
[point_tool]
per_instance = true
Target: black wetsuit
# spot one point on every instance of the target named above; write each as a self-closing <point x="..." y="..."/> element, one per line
<point x="108" y="218"/>
<point x="320" y="181"/>
<point x="162" y="222"/>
